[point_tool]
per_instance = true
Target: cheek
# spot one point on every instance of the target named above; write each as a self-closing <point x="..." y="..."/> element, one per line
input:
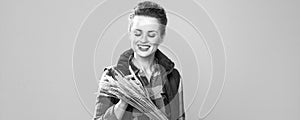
<point x="132" y="39"/>
<point x="156" y="41"/>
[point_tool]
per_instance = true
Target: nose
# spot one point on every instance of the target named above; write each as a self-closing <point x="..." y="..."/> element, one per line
<point x="144" y="38"/>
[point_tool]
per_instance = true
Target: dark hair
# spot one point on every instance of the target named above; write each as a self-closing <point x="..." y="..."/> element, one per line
<point x="151" y="9"/>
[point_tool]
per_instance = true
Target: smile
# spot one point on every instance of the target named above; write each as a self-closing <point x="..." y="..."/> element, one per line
<point x="143" y="47"/>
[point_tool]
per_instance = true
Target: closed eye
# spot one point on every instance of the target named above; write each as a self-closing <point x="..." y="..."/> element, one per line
<point x="137" y="33"/>
<point x="152" y="34"/>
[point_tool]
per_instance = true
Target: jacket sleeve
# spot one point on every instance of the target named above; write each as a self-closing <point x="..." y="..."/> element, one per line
<point x="181" y="102"/>
<point x="176" y="100"/>
<point x="104" y="108"/>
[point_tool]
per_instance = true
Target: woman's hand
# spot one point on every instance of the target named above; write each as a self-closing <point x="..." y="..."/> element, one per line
<point x="122" y="104"/>
<point x="120" y="108"/>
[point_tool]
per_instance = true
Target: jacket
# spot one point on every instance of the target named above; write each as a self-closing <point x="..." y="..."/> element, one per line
<point x="172" y="94"/>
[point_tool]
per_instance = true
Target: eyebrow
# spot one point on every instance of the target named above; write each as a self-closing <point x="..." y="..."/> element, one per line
<point x="138" y="30"/>
<point x="148" y="31"/>
<point x="152" y="31"/>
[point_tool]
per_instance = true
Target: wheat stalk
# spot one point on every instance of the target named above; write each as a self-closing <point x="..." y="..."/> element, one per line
<point x="136" y="95"/>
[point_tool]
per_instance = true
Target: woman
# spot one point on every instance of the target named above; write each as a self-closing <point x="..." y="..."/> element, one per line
<point x="155" y="71"/>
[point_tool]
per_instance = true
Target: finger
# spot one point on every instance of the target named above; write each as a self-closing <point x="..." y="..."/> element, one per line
<point x="129" y="76"/>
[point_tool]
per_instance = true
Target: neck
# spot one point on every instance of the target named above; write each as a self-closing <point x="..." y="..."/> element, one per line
<point x="144" y="62"/>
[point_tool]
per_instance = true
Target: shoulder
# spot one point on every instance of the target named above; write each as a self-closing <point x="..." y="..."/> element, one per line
<point x="174" y="79"/>
<point x="174" y="73"/>
<point x="174" y="76"/>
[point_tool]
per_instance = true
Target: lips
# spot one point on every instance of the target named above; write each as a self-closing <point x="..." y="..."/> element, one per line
<point x="143" y="47"/>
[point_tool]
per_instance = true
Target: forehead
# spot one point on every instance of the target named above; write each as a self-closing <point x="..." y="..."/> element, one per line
<point x="144" y="21"/>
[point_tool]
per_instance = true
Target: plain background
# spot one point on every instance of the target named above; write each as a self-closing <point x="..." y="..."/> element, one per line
<point x="261" y="40"/>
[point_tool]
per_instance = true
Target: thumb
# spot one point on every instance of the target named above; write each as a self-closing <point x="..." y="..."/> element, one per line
<point x="128" y="77"/>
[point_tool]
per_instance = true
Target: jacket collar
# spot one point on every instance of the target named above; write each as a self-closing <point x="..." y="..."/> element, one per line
<point x="125" y="60"/>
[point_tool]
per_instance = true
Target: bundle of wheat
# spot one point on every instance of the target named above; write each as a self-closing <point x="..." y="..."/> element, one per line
<point x="119" y="86"/>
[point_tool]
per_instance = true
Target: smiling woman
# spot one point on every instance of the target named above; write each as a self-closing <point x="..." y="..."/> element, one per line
<point x="145" y="35"/>
<point x="144" y="63"/>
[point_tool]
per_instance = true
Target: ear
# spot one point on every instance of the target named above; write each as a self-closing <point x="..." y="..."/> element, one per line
<point x="129" y="25"/>
<point x="162" y="37"/>
<point x="162" y="32"/>
<point x="130" y="22"/>
<point x="161" y="40"/>
<point x="129" y="36"/>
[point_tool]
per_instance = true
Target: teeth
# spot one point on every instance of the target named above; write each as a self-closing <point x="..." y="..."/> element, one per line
<point x="144" y="47"/>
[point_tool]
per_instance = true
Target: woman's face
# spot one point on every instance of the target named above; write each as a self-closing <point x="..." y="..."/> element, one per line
<point x="145" y="35"/>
